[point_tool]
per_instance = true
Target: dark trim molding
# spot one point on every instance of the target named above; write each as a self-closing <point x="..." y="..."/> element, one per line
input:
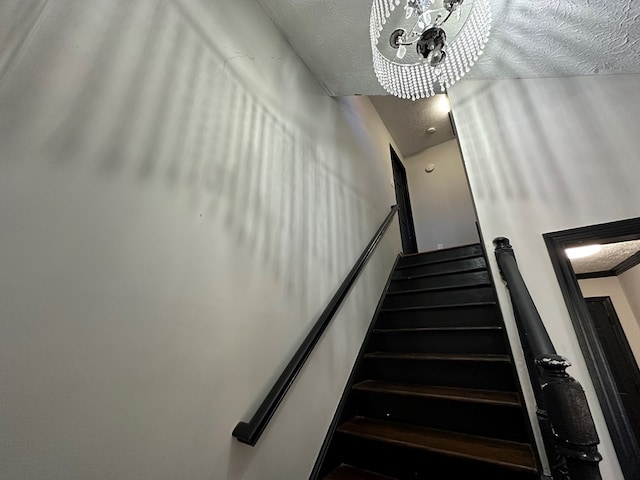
<point x="622" y="436"/>
<point x="588" y="275"/>
<point x="315" y="473"/>
<point x="249" y="432"/>
<point x="628" y="264"/>
<point x="403" y="198"/>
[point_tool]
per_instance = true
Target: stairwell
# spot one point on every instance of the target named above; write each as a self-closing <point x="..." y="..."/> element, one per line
<point x="434" y="393"/>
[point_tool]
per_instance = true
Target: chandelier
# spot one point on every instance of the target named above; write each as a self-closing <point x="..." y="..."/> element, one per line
<point x="427" y="46"/>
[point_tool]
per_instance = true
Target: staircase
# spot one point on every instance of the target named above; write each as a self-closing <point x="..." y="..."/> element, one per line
<point x="434" y="393"/>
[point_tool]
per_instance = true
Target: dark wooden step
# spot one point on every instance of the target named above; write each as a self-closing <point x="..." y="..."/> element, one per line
<point x="459" y="314"/>
<point x="491" y="397"/>
<point x="439" y="297"/>
<point x="436" y="307"/>
<point x="438" y="256"/>
<point x="437" y="329"/>
<point x="412" y="464"/>
<point x="451" y="280"/>
<point x="441" y="273"/>
<point x="438" y="288"/>
<point x="459" y="265"/>
<point x="439" y="340"/>
<point x="512" y="455"/>
<point x="481" y="371"/>
<point x="347" y="472"/>
<point x="442" y="357"/>
<point x="492" y="414"/>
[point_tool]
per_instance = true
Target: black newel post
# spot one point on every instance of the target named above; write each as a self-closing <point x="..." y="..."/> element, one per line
<point x="570" y="436"/>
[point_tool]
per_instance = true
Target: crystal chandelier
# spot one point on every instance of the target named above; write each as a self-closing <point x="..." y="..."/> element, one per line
<point x="427" y="46"/>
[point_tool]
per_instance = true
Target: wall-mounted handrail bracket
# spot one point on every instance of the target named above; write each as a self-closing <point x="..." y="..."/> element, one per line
<point x="567" y="427"/>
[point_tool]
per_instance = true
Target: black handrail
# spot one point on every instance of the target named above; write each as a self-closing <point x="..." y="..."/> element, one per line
<point x="566" y="424"/>
<point x="250" y="432"/>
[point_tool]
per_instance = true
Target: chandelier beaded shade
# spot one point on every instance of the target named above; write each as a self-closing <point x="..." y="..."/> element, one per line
<point x="422" y="47"/>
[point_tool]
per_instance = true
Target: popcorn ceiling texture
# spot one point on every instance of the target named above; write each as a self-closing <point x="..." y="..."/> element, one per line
<point x="407" y="122"/>
<point x="547" y="38"/>
<point x="606" y="259"/>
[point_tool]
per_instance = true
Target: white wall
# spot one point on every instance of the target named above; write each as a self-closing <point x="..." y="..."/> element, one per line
<point x="612" y="287"/>
<point x="630" y="283"/>
<point x="545" y="155"/>
<point x="443" y="211"/>
<point x="179" y="199"/>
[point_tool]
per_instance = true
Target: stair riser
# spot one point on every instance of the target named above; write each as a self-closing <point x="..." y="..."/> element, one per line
<point x="474" y="341"/>
<point x="496" y="421"/>
<point x="485" y="375"/>
<point x="452" y="266"/>
<point x="485" y="316"/>
<point x="439" y="255"/>
<point x="444" y="297"/>
<point x="346" y="472"/>
<point x="457" y="279"/>
<point x="410" y="464"/>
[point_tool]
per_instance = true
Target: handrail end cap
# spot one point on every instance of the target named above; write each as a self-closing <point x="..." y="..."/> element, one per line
<point x="242" y="433"/>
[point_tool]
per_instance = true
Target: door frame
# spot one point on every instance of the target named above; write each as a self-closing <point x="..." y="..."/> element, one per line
<point x="622" y="343"/>
<point x="622" y="435"/>
<point x="408" y="236"/>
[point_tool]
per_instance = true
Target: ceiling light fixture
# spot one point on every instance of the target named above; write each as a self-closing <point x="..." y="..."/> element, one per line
<point x="447" y="36"/>
<point x="445" y="105"/>
<point x="581" y="252"/>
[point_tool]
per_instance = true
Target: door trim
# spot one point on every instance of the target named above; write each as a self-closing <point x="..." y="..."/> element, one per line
<point x="403" y="199"/>
<point x="620" y="336"/>
<point x="622" y="435"/>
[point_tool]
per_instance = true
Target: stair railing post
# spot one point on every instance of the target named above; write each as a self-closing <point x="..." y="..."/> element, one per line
<point x="568" y="430"/>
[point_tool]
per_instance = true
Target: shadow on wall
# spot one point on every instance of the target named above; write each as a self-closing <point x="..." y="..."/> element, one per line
<point x="151" y="99"/>
<point x="527" y="116"/>
<point x="545" y="140"/>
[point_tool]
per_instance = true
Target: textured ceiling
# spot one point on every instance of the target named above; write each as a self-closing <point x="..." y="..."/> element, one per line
<point x="544" y="38"/>
<point x="606" y="259"/>
<point x="408" y="121"/>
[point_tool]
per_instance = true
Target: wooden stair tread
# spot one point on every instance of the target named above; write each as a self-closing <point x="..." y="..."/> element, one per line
<point x="455" y="357"/>
<point x="461" y="286"/>
<point x="436" y="329"/>
<point x="453" y="247"/>
<point x="439" y="260"/>
<point x="435" y="307"/>
<point x="517" y="456"/>
<point x="492" y="397"/>
<point x="347" y="472"/>
<point x="441" y="274"/>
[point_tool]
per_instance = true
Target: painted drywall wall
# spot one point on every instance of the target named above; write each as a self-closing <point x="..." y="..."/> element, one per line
<point x="630" y="283"/>
<point x="612" y="287"/>
<point x="545" y="155"/>
<point x="179" y="199"/>
<point x="443" y="211"/>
